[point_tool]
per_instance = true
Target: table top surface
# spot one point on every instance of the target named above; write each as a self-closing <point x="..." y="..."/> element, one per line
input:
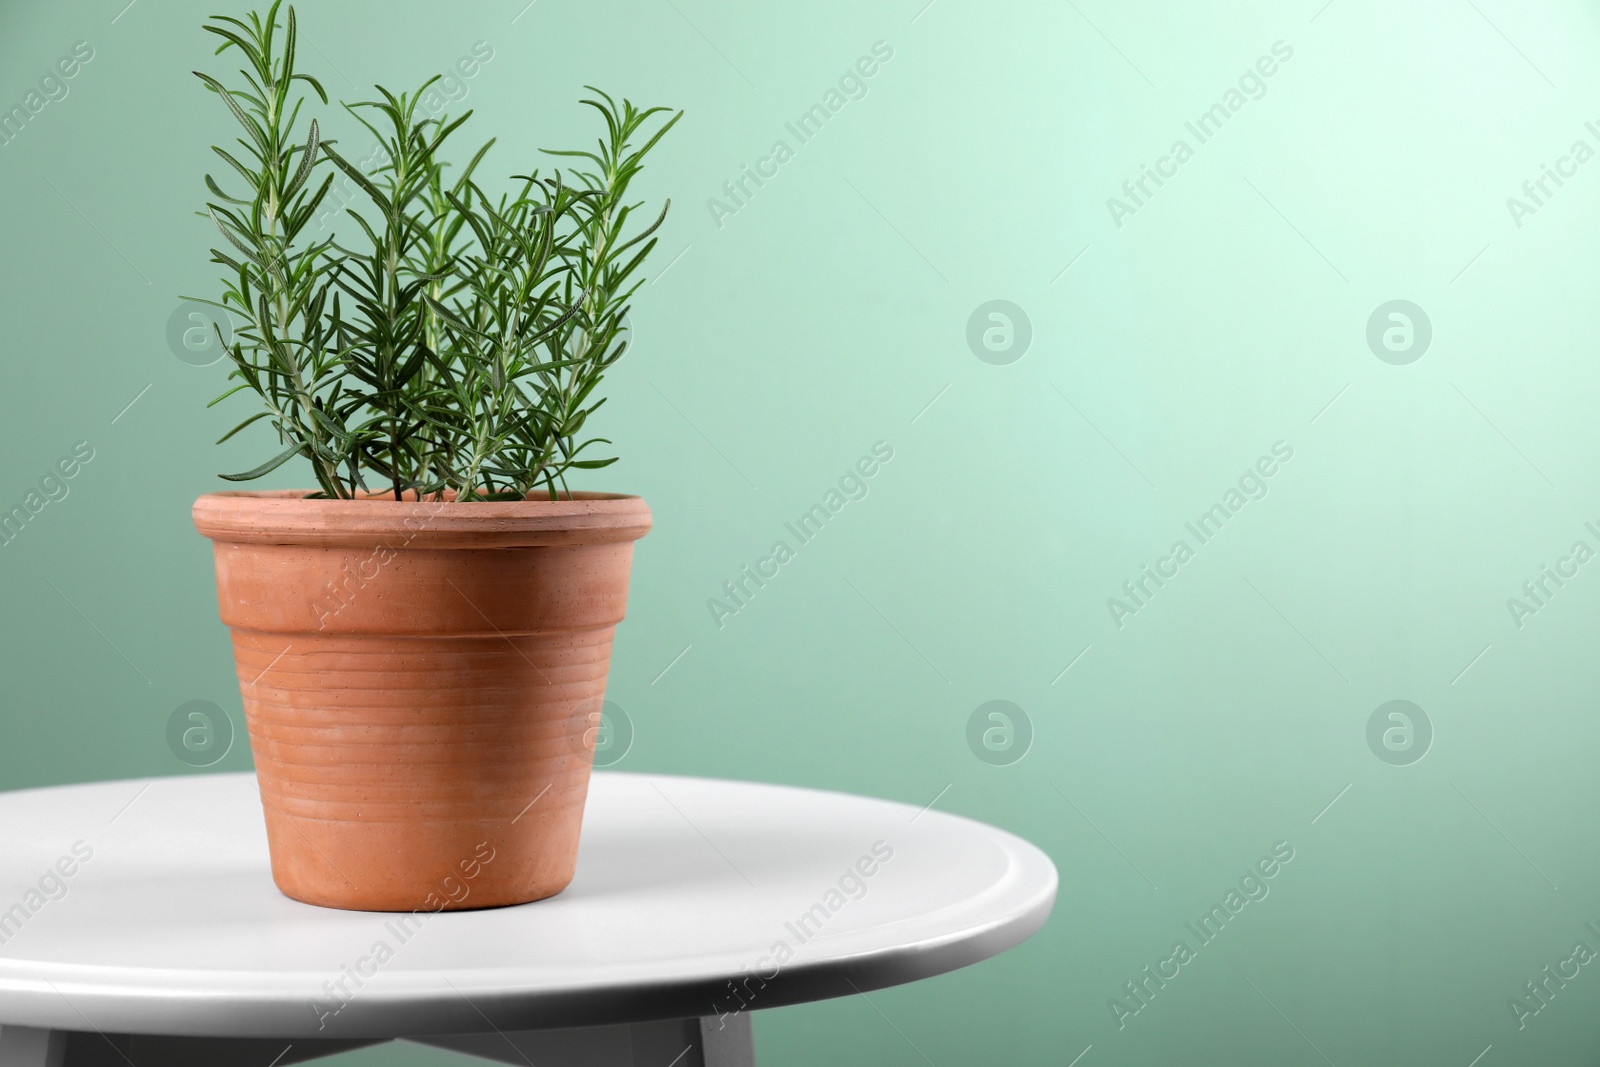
<point x="149" y="907"/>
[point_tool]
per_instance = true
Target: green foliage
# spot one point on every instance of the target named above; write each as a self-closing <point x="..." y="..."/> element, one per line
<point x="456" y="343"/>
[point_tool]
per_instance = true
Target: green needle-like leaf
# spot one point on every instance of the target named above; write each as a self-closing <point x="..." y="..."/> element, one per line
<point x="268" y="467"/>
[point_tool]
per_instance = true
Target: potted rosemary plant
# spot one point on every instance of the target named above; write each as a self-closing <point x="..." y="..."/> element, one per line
<point x="422" y="640"/>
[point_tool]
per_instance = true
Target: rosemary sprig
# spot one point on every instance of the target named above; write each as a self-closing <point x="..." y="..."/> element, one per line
<point x="451" y="340"/>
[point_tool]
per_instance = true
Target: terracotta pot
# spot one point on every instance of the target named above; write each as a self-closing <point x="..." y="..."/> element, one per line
<point x="422" y="683"/>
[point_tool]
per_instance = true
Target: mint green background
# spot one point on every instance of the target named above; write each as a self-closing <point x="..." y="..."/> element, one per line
<point x="821" y="318"/>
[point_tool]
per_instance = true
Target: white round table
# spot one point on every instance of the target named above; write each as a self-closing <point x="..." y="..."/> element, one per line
<point x="139" y="923"/>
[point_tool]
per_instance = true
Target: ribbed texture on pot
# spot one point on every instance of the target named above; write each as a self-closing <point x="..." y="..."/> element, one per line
<point x="421" y="717"/>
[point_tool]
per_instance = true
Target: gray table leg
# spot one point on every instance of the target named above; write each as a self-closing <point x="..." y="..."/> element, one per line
<point x="728" y="1042"/>
<point x="27" y="1046"/>
<point x="707" y="1042"/>
<point x="22" y="1046"/>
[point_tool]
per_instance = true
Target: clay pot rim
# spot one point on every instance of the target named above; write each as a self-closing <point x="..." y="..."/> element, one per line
<point x="288" y="517"/>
